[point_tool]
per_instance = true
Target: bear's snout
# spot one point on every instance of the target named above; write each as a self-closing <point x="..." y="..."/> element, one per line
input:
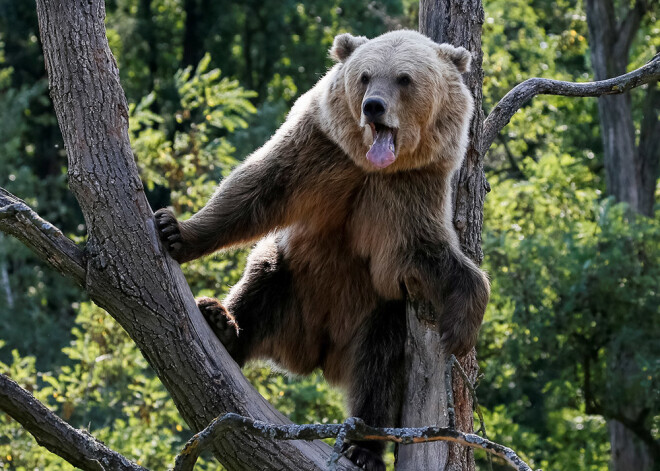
<point x="373" y="108"/>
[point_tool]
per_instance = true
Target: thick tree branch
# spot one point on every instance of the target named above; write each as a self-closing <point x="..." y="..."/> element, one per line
<point x="352" y="429"/>
<point x="522" y="93"/>
<point x="47" y="241"/>
<point x="76" y="446"/>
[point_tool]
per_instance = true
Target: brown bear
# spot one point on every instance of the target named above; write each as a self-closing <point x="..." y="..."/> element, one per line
<point x="351" y="199"/>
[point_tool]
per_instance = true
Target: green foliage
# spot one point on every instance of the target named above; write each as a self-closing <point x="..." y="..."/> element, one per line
<point x="35" y="303"/>
<point x="107" y="388"/>
<point x="575" y="287"/>
<point x="189" y="152"/>
<point x="522" y="40"/>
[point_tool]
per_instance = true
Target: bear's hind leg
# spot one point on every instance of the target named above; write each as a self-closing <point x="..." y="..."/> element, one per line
<point x="377" y="379"/>
<point x="257" y="307"/>
<point x="222" y="323"/>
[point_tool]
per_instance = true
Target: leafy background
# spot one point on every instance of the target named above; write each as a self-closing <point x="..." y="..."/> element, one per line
<point x="575" y="276"/>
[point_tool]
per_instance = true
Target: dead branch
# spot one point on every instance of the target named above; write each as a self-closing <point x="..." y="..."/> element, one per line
<point x="84" y="451"/>
<point x="47" y="241"/>
<point x="522" y="93"/>
<point x="352" y="429"/>
<point x="76" y="446"/>
<point x="453" y="362"/>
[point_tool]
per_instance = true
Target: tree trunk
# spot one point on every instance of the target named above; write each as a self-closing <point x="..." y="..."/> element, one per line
<point x="631" y="169"/>
<point x="425" y="397"/>
<point x="127" y="273"/>
<point x="631" y="173"/>
<point x="628" y="452"/>
<point x="193" y="44"/>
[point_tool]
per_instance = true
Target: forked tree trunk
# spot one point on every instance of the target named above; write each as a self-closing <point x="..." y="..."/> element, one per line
<point x="127" y="273"/>
<point x="425" y="398"/>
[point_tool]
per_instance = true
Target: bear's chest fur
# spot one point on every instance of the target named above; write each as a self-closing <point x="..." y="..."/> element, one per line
<point x="345" y="252"/>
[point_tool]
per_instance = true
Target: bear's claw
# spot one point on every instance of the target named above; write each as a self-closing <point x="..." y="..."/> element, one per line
<point x="364" y="458"/>
<point x="222" y="323"/>
<point x="169" y="232"/>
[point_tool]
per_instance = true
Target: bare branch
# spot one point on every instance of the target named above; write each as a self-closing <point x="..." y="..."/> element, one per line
<point x="522" y="93"/>
<point x="40" y="236"/>
<point x="352" y="429"/>
<point x="453" y="362"/>
<point x="76" y="446"/>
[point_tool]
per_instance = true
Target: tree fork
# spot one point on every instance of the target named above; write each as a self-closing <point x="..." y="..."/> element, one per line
<point x="127" y="274"/>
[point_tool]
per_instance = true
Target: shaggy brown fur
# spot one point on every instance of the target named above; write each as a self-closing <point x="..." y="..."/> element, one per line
<point x="343" y="235"/>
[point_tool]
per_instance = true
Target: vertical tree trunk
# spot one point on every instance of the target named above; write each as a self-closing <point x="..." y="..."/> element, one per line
<point x="631" y="174"/>
<point x="425" y="397"/>
<point x="628" y="452"/>
<point x="192" y="42"/>
<point x="631" y="168"/>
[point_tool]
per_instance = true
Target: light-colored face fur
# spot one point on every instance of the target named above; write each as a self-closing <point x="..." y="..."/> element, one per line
<point x="427" y="108"/>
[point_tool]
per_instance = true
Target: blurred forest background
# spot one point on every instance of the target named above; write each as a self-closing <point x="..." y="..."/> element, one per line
<point x="571" y="338"/>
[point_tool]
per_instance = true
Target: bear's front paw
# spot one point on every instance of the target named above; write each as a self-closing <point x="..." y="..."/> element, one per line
<point x="364" y="458"/>
<point x="169" y="233"/>
<point x="222" y="323"/>
<point x="463" y="310"/>
<point x="457" y="338"/>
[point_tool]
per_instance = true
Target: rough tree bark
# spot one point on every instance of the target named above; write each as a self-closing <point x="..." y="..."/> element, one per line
<point x="425" y="397"/>
<point x="126" y="273"/>
<point x="631" y="173"/>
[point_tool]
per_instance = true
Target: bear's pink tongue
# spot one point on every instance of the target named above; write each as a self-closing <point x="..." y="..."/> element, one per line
<point x="381" y="153"/>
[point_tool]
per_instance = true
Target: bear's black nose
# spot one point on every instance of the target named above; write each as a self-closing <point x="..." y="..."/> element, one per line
<point x="373" y="108"/>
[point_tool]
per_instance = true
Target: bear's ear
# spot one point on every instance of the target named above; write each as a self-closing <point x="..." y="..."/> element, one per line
<point x="344" y="45"/>
<point x="459" y="56"/>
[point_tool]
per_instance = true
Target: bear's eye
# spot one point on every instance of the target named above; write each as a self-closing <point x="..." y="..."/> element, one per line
<point x="403" y="80"/>
<point x="364" y="79"/>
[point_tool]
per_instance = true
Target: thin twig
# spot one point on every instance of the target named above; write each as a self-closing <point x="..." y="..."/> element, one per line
<point x="339" y="443"/>
<point x="47" y="241"/>
<point x="352" y="429"/>
<point x="453" y="361"/>
<point x="76" y="446"/>
<point x="473" y="392"/>
<point x="522" y="93"/>
<point x="449" y="389"/>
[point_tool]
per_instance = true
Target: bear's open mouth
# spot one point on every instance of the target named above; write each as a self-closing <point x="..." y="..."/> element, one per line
<point x="381" y="153"/>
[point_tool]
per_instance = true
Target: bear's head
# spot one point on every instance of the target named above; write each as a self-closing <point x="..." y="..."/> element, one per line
<point x="398" y="102"/>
